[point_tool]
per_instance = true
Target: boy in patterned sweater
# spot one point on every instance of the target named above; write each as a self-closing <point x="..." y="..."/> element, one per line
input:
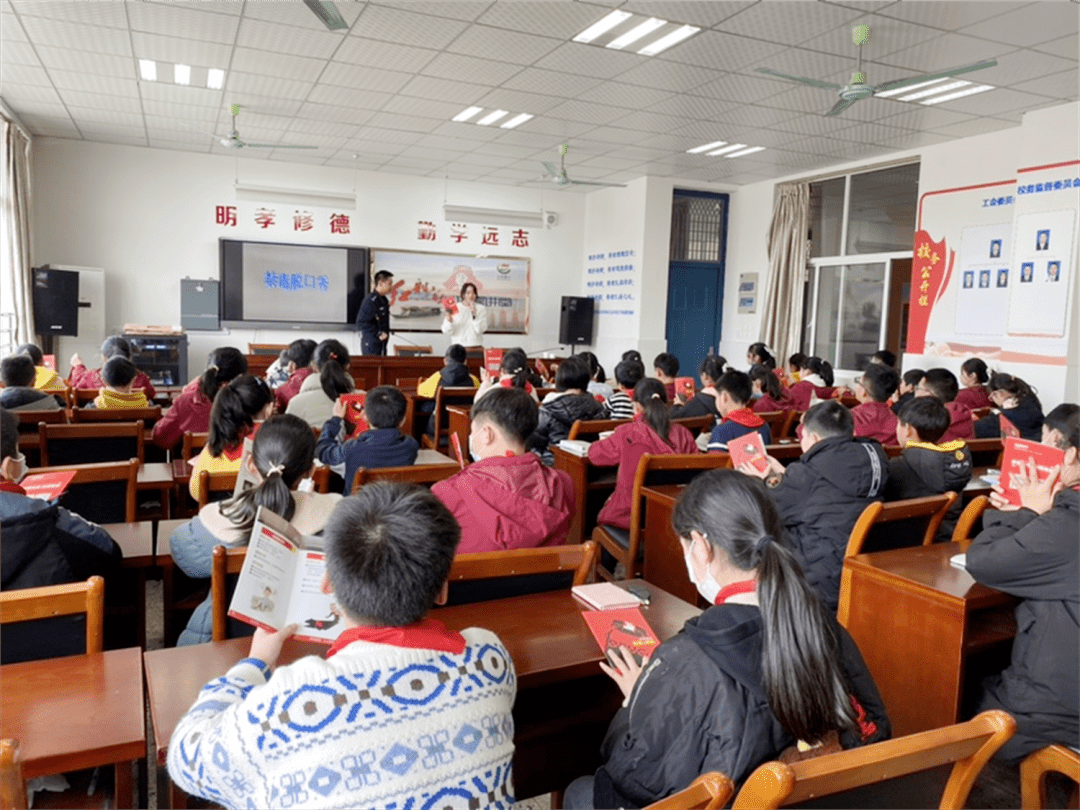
<point x="401" y="713"/>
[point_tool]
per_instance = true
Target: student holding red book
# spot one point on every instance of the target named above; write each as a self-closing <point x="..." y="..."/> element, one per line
<point x="733" y="402"/>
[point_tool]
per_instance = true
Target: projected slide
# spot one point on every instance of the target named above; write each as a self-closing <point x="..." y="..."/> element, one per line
<point x="295" y="283"/>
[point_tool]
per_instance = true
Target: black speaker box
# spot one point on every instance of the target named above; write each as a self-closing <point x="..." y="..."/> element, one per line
<point x="56" y="301"/>
<point x="576" y="321"/>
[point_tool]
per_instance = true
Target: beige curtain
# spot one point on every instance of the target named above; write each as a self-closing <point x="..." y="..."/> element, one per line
<point x="782" y="313"/>
<point x="15" y="232"/>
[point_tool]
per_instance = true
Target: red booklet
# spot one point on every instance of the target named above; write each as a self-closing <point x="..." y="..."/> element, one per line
<point x="684" y="386"/>
<point x="354" y="412"/>
<point x="450" y="304"/>
<point x="49" y="361"/>
<point x="455" y="444"/>
<point x="493" y="361"/>
<point x="625" y="628"/>
<point x="1007" y="427"/>
<point x="1017" y="453"/>
<point x="541" y="368"/>
<point x="47" y="486"/>
<point x="748" y="448"/>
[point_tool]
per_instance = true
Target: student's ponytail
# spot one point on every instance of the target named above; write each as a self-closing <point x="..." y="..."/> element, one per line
<point x="770" y="384"/>
<point x="713" y="367"/>
<point x="815" y="365"/>
<point x="222" y="365"/>
<point x="516" y="364"/>
<point x="977" y="367"/>
<point x="763" y="355"/>
<point x="332" y="360"/>
<point x="234" y="410"/>
<point x="651" y="395"/>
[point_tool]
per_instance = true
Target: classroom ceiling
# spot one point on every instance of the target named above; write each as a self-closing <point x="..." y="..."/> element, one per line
<point x="384" y="89"/>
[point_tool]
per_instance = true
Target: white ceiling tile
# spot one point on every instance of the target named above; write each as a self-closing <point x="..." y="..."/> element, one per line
<point x="810" y="64"/>
<point x="914" y="140"/>
<point x="20" y="53"/>
<point x="870" y="133"/>
<point x="735" y="87"/>
<point x="803" y="125"/>
<point x="186" y="20"/>
<point x="519" y="138"/>
<point x="1029" y="25"/>
<point x="1002" y="100"/>
<point x="1067" y="47"/>
<point x="590" y="60"/>
<point x="396" y="25"/>
<point x="975" y="126"/>
<point x="430" y="153"/>
<point x="27" y="97"/>
<point x="364" y="78"/>
<point x="109" y="15"/>
<point x="77" y="36"/>
<point x="669" y="76"/>
<point x="348" y="97"/>
<point x="801" y="98"/>
<point x="110" y="85"/>
<point x="330" y="112"/>
<point x="692" y="107"/>
<point x="1021" y="66"/>
<point x="887" y="35"/>
<point x="182" y="126"/>
<point x="749" y="116"/>
<point x="299" y="15"/>
<point x="414" y="163"/>
<point x="447" y="142"/>
<point x="556" y="127"/>
<point x="52" y="127"/>
<point x="551" y="82"/>
<point x="87" y="62"/>
<point x="614" y="135"/>
<point x="454" y="9"/>
<point x="505" y="46"/>
<point x="586" y="112"/>
<point x="921" y="117"/>
<point x="462" y="93"/>
<point x="249" y="60"/>
<point x="422" y="107"/>
<point x="10" y="28"/>
<point x="516" y="101"/>
<point x="948" y="15"/>
<point x="625" y="95"/>
<point x="943" y="52"/>
<point x="693" y="12"/>
<point x="176" y="94"/>
<point x="788" y="23"/>
<point x="410" y="123"/>
<point x="1059" y="85"/>
<point x="238" y="85"/>
<point x="124" y="104"/>
<point x="112" y="135"/>
<point x="316" y="43"/>
<point x="651" y="121"/>
<point x="46" y="111"/>
<point x="16" y="77"/>
<point x="360" y="51"/>
<point x="372" y="149"/>
<point x="95" y="117"/>
<point x="467" y="131"/>
<point x="185" y="51"/>
<point x="470" y="69"/>
<point x="511" y="150"/>
<point x="720" y="51"/>
<point x="559" y="20"/>
<point x="483" y="159"/>
<point x="333" y="129"/>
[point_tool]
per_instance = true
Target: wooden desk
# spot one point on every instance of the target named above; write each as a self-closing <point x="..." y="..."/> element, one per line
<point x="429" y="456"/>
<point x="917" y="619"/>
<point x="664" y="559"/>
<point x="158" y="475"/>
<point x="564" y="702"/>
<point x="77" y="712"/>
<point x="592" y="485"/>
<point x="136" y="541"/>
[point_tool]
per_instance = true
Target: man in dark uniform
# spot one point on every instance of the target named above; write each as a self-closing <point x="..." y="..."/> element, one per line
<point x="373" y="319"/>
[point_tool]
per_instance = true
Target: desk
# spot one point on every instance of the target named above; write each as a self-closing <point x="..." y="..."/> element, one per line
<point x="136" y="541"/>
<point x="917" y="619"/>
<point x="564" y="702"/>
<point x="664" y="558"/>
<point x="77" y="712"/>
<point x="586" y="479"/>
<point x="428" y="456"/>
<point x="157" y="475"/>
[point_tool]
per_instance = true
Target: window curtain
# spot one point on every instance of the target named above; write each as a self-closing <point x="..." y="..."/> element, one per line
<point x="789" y="248"/>
<point x="15" y="233"/>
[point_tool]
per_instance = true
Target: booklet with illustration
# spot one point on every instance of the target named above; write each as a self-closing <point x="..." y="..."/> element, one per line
<point x="1007" y="427"/>
<point x="625" y="628"/>
<point x="354" y="413"/>
<point x="684" y="387"/>
<point x="450" y="305"/>
<point x="47" y="486"/>
<point x="748" y="449"/>
<point x="493" y="361"/>
<point x="1017" y="453"/>
<point x="281" y="582"/>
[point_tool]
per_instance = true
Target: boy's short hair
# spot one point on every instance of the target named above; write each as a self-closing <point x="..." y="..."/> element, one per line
<point x="17" y="370"/>
<point x="456" y="352"/>
<point x="628" y="373"/>
<point x="385" y="406"/>
<point x="737" y="385"/>
<point x="511" y="410"/>
<point x="389" y="549"/>
<point x="118" y="371"/>
<point x="383" y="275"/>
<point x="828" y="419"/>
<point x="632" y="354"/>
<point x="880" y="381"/>
<point x="299" y="352"/>
<point x="9" y="434"/>
<point x="573" y="373"/>
<point x="33" y="351"/>
<point x="912" y="376"/>
<point x="115" y="345"/>
<point x="941" y="383"/>
<point x="928" y="416"/>
<point x="884" y="357"/>
<point x="1065" y="419"/>
<point x="667" y="363"/>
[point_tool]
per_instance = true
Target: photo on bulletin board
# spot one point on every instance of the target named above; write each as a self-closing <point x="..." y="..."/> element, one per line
<point x="1027" y="272"/>
<point x="995" y="248"/>
<point x="423" y="280"/>
<point x="1038" y="305"/>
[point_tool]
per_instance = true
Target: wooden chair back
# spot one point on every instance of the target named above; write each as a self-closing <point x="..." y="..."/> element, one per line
<point x="696" y="424"/>
<point x="193" y="444"/>
<point x="986" y="452"/>
<point x="29" y="420"/>
<point x="459" y="423"/>
<point x="89" y="503"/>
<point x="967" y="520"/>
<point x="12" y="783"/>
<point x="1034" y="769"/>
<point x="590" y="429"/>
<point x="543" y="392"/>
<point x="776" y="421"/>
<point x="710" y="791"/>
<point x="412" y="351"/>
<point x="49" y="601"/>
<point x="224" y="561"/>
<point x="966" y="746"/>
<point x="148" y="416"/>
<point x="932" y="507"/>
<point x="518" y="562"/>
<point x="411" y="474"/>
<point x="788" y="429"/>
<point x="444" y="396"/>
<point x="83" y="396"/>
<point x="980" y="413"/>
<point x="215" y="483"/>
<point x="86" y="443"/>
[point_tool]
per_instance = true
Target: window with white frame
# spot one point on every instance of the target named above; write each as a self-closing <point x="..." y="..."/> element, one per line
<point x="860" y="226"/>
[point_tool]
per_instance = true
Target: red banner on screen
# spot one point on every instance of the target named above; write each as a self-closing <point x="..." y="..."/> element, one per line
<point x="930" y="271"/>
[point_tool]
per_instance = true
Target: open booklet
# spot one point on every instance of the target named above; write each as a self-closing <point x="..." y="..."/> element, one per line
<point x="281" y="582"/>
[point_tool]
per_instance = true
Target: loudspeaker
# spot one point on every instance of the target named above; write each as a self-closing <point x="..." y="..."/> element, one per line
<point x="56" y="301"/>
<point x="576" y="321"/>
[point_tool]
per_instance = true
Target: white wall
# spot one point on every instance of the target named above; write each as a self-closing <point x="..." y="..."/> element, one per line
<point x="147" y="216"/>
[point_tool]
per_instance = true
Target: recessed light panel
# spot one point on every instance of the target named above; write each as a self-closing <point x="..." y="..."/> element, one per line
<point x="620" y="29"/>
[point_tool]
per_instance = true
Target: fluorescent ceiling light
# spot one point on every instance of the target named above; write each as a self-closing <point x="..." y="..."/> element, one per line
<point x="941" y="89"/>
<point x="295" y="196"/>
<point x="515" y="121"/>
<point x="182" y="74"/>
<point x="735" y="147"/>
<point x="215" y="78"/>
<point x="908" y="88"/>
<point x="967" y="91"/>
<point x="636" y="33"/>
<point x="598" y="28"/>
<point x="466" y="114"/>
<point x="698" y="149"/>
<point x="148" y="70"/>
<point x="666" y="41"/>
<point x="491" y="117"/>
<point x="742" y="152"/>
<point x="493" y="216"/>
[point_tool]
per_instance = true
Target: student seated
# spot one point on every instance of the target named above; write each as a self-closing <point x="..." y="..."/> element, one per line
<point x="666" y="369"/>
<point x="759" y="355"/>
<point x="1030" y="552"/>
<point x="45" y="378"/>
<point x="507" y="498"/>
<point x="762" y="669"/>
<point x="821" y="495"/>
<point x="873" y="417"/>
<point x="190" y="411"/>
<point x="384" y="445"/>
<point x="974" y="375"/>
<point x="19" y="393"/>
<point x="117" y="376"/>
<point x="884" y="357"/>
<point x="769" y="395"/>
<point x="343" y="731"/>
<point x="928" y="466"/>
<point x="318" y="394"/>
<point x="454" y="373"/>
<point x="703" y="403"/>
<point x="795" y="364"/>
<point x="815" y="384"/>
<point x="941" y="383"/>
<point x="277" y="373"/>
<point x="733" y="401"/>
<point x="906" y="390"/>
<point x="651" y="432"/>
<point x="513" y="373"/>
<point x="297" y="360"/>
<point x="598" y="385"/>
<point x="82" y="377"/>
<point x="570" y="403"/>
<point x="620" y="405"/>
<point x="1016" y="401"/>
<point x="237" y="407"/>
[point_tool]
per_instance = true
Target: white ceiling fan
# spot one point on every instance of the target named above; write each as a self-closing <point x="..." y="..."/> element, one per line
<point x="234" y="141"/>
<point x="560" y="178"/>
<point x="858" y="89"/>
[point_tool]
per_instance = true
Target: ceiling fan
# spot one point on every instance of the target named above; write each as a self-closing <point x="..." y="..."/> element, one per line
<point x="560" y="178"/>
<point x="233" y="140"/>
<point x="857" y="88"/>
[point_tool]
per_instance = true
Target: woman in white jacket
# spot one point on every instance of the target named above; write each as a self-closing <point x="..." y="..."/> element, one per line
<point x="468" y="324"/>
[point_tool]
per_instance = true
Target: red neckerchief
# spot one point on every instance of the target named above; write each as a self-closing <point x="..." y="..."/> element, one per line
<point x="234" y="453"/>
<point x="426" y="634"/>
<point x="734" y="589"/>
<point x="11" y="486"/>
<point x="745" y="417"/>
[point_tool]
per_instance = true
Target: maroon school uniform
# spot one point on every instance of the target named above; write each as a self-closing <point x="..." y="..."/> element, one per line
<point x="291" y="387"/>
<point x="962" y="426"/>
<point x="670" y="389"/>
<point x="800" y="394"/>
<point x="83" y="377"/>
<point x="875" y="420"/>
<point x="190" y="411"/>
<point x="974" y="397"/>
<point x="766" y="404"/>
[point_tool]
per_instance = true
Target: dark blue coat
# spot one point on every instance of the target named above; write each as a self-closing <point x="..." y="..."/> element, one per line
<point x="378" y="447"/>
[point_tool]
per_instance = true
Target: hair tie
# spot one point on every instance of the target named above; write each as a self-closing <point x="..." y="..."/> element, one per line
<point x="517" y="370"/>
<point x="655" y="396"/>
<point x="275" y="468"/>
<point x="333" y="356"/>
<point x="759" y="546"/>
<point x="212" y="367"/>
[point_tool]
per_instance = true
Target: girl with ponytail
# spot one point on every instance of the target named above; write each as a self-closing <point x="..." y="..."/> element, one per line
<point x="762" y="669"/>
<point x="769" y="394"/>
<point x="282" y="457"/>
<point x="318" y="393"/>
<point x="703" y="402"/>
<point x="815" y="384"/>
<point x="974" y="375"/>
<point x="650" y="431"/>
<point x="190" y="411"/>
<point x="513" y="373"/>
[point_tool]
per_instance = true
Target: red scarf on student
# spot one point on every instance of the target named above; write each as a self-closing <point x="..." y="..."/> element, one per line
<point x="734" y="589"/>
<point x="426" y="634"/>
<point x="745" y="417"/>
<point x="11" y="486"/>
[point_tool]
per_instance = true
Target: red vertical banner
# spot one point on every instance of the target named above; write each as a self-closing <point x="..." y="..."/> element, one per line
<point x="929" y="275"/>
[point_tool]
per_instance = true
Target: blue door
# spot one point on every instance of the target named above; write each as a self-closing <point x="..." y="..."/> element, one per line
<point x="694" y="312"/>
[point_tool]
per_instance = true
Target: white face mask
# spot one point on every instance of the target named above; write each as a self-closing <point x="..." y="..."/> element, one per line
<point x="18" y="468"/>
<point x="709" y="588"/>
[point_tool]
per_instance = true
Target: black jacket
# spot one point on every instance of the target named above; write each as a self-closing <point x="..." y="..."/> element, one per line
<point x="700" y="405"/>
<point x="557" y="417"/>
<point x="24" y="398"/>
<point x="930" y="469"/>
<point x="378" y="447"/>
<point x="455" y="375"/>
<point x="374" y="316"/>
<point x="1027" y="416"/>
<point x="821" y="496"/>
<point x="1035" y="558"/>
<point x="700" y="706"/>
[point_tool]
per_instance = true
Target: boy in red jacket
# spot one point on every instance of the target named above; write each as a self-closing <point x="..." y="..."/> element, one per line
<point x="873" y="416"/>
